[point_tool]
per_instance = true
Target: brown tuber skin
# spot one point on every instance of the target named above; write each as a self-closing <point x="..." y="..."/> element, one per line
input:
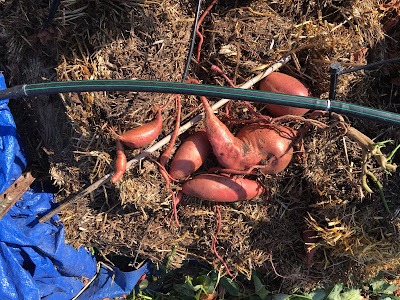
<point x="222" y="188"/>
<point x="120" y="163"/>
<point x="142" y="135"/>
<point x="190" y="155"/>
<point x="281" y="83"/>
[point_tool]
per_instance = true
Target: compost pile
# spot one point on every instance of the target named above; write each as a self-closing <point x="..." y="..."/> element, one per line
<point x="322" y="189"/>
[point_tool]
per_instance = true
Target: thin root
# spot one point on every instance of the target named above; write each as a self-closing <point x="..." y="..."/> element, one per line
<point x="214" y="241"/>
<point x="251" y="109"/>
<point x="279" y="275"/>
<point x="199" y="33"/>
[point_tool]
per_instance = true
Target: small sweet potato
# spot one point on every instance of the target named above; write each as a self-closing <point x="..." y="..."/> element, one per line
<point x="120" y="163"/>
<point x="144" y="134"/>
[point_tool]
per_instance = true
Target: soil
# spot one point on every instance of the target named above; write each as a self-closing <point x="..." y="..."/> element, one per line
<point x="70" y="146"/>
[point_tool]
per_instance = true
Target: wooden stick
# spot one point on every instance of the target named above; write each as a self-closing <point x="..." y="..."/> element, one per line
<point x="159" y="144"/>
<point x="14" y="192"/>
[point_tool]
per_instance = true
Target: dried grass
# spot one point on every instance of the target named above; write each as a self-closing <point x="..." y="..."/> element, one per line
<point x="149" y="40"/>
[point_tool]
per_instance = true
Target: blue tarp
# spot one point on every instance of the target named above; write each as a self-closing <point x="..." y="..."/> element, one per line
<point x="35" y="262"/>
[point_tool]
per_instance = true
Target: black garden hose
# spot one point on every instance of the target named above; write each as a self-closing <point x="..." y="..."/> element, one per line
<point x="200" y="90"/>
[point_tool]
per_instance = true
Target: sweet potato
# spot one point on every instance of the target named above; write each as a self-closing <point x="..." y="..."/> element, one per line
<point x="267" y="146"/>
<point x="254" y="144"/>
<point x="120" y="163"/>
<point x="144" y="134"/>
<point x="281" y="83"/>
<point x="222" y="188"/>
<point x="190" y="155"/>
<point x="228" y="149"/>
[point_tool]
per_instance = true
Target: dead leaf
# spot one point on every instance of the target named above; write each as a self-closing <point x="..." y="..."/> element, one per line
<point x="359" y="56"/>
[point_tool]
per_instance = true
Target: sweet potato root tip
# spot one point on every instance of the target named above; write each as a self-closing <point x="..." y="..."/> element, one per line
<point x="222" y="188"/>
<point x="190" y="155"/>
<point x="120" y="163"/>
<point x="284" y="84"/>
<point x="165" y="156"/>
<point x="143" y="135"/>
<point x="175" y="201"/>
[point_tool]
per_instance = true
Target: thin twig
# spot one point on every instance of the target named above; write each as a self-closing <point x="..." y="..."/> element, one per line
<point x="93" y="278"/>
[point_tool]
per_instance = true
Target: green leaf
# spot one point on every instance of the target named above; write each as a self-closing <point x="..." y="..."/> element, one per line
<point x="380" y="276"/>
<point x="299" y="297"/>
<point x="280" y="297"/>
<point x="198" y="287"/>
<point x="388" y="297"/>
<point x="206" y="282"/>
<point x="351" y="294"/>
<point x="230" y="286"/>
<point x="254" y="297"/>
<point x="143" y="284"/>
<point x="383" y="287"/>
<point x="334" y="294"/>
<point x="338" y="293"/>
<point x="260" y="289"/>
<point x="202" y="279"/>
<point x="317" y="294"/>
<point x="185" y="289"/>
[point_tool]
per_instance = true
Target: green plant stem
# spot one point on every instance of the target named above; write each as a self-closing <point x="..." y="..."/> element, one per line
<point x="380" y="190"/>
<point x="144" y="297"/>
<point x="301" y="296"/>
<point x="169" y="258"/>
<point x="389" y="158"/>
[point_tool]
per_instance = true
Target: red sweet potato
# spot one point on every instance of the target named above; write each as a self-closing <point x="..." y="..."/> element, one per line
<point x="144" y="134"/>
<point x="228" y="149"/>
<point x="281" y="83"/>
<point x="190" y="155"/>
<point x="267" y="146"/>
<point x="254" y="144"/>
<point x="222" y="188"/>
<point x="120" y="163"/>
